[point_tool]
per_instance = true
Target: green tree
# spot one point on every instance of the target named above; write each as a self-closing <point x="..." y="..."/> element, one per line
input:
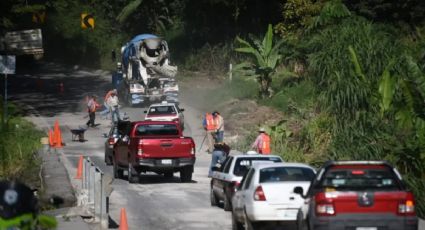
<point x="265" y="57"/>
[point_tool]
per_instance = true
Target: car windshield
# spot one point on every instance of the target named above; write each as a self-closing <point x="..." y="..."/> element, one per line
<point x="159" y="110"/>
<point x="281" y="174"/>
<point x="360" y="178"/>
<point x="157" y="129"/>
<point x="243" y="164"/>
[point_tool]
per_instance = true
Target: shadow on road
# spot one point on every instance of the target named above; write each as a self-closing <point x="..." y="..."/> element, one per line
<point x="48" y="89"/>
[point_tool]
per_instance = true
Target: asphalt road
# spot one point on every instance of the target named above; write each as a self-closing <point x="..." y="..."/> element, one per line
<point x="154" y="203"/>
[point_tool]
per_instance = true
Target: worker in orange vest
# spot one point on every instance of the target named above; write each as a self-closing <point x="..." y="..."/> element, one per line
<point x="210" y="127"/>
<point x="92" y="106"/>
<point x="262" y="142"/>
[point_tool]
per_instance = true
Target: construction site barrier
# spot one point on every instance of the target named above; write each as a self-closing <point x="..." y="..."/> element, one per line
<point x="96" y="187"/>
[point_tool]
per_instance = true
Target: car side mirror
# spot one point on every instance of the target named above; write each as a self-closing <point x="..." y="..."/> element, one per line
<point x="300" y="191"/>
<point x="215" y="168"/>
<point x="105" y="135"/>
<point x="145" y="111"/>
<point x="181" y="110"/>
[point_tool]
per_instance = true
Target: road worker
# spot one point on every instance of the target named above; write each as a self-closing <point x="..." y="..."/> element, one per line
<point x="262" y="142"/>
<point x="211" y="128"/>
<point x="220" y="126"/>
<point x="221" y="151"/>
<point x="107" y="109"/>
<point x="92" y="106"/>
<point x="113" y="104"/>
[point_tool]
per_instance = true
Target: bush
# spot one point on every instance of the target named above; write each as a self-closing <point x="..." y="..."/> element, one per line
<point x="19" y="141"/>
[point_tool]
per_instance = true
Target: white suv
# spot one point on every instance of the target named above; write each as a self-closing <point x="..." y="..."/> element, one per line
<point x="266" y="194"/>
<point x="226" y="178"/>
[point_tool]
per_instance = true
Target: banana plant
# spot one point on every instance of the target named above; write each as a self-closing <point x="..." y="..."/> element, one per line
<point x="265" y="58"/>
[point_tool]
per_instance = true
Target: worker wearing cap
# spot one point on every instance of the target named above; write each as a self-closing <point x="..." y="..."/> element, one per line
<point x="211" y="128"/>
<point x="262" y="142"/>
<point x="117" y="76"/>
<point x="92" y="106"/>
<point x="220" y="126"/>
<point x="113" y="104"/>
<point x="105" y="103"/>
<point x="221" y="151"/>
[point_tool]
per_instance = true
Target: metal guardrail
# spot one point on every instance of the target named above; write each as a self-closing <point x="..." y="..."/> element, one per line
<point x="96" y="189"/>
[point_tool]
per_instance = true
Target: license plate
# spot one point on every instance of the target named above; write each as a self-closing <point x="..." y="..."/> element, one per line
<point x="366" y="228"/>
<point x="167" y="162"/>
<point x="287" y="213"/>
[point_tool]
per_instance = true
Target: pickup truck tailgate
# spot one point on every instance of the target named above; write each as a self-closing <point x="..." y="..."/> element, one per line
<point x="167" y="148"/>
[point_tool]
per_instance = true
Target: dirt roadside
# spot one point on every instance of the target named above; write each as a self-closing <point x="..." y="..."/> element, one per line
<point x="242" y="116"/>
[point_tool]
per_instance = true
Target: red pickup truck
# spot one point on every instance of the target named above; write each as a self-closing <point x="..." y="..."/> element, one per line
<point x="153" y="146"/>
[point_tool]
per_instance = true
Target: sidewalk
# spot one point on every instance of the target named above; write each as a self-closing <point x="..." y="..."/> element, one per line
<point x="68" y="219"/>
<point x="56" y="182"/>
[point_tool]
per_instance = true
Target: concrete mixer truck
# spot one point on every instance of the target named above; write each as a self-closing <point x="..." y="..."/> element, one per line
<point x="145" y="65"/>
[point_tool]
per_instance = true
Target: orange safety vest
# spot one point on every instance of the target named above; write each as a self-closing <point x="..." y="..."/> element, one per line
<point x="211" y="124"/>
<point x="265" y="144"/>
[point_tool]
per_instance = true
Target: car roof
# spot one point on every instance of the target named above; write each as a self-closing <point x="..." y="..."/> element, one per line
<point x="148" y="122"/>
<point x="333" y="163"/>
<point x="283" y="164"/>
<point x="163" y="104"/>
<point x="254" y="156"/>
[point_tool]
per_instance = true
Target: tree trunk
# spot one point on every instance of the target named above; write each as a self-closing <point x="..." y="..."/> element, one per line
<point x="265" y="82"/>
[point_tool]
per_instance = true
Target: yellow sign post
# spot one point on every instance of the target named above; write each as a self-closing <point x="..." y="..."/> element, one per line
<point x="87" y="21"/>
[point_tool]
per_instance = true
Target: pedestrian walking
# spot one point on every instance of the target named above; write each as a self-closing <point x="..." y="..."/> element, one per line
<point x="262" y="142"/>
<point x="210" y="128"/>
<point x="113" y="104"/>
<point x="218" y="119"/>
<point x="221" y="151"/>
<point x="92" y="106"/>
<point x="107" y="109"/>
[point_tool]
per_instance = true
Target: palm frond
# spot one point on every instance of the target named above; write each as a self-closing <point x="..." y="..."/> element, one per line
<point x="128" y="10"/>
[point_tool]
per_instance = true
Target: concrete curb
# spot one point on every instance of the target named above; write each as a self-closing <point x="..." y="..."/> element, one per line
<point x="55" y="178"/>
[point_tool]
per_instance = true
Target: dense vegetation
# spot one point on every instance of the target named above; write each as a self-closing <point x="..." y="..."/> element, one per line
<point x="349" y="75"/>
<point x="19" y="142"/>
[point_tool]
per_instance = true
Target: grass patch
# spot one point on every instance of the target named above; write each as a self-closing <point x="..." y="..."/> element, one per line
<point x="19" y="142"/>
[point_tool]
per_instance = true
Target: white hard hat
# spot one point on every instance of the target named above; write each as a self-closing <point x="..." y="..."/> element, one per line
<point x="262" y="129"/>
<point x="251" y="152"/>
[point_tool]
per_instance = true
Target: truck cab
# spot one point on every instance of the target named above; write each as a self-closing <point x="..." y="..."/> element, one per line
<point x="153" y="146"/>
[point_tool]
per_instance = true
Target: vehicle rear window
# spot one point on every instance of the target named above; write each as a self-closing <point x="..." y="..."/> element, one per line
<point x="281" y="174"/>
<point x="243" y="164"/>
<point x="157" y="129"/>
<point x="360" y="178"/>
<point x="159" y="110"/>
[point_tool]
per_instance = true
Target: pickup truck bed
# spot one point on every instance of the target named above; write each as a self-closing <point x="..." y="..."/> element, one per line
<point x="153" y="146"/>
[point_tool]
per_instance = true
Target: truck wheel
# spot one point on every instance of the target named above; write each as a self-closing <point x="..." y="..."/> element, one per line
<point x="132" y="176"/>
<point x="248" y="223"/>
<point x="186" y="174"/>
<point x="227" y="206"/>
<point x="236" y="225"/>
<point x="108" y="159"/>
<point x="118" y="173"/>
<point x="129" y="101"/>
<point x="168" y="175"/>
<point x="213" y="197"/>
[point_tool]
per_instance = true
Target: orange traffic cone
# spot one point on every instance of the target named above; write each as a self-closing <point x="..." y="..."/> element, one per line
<point x="57" y="135"/>
<point x="123" y="220"/>
<point x="51" y="138"/>
<point x="79" y="168"/>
